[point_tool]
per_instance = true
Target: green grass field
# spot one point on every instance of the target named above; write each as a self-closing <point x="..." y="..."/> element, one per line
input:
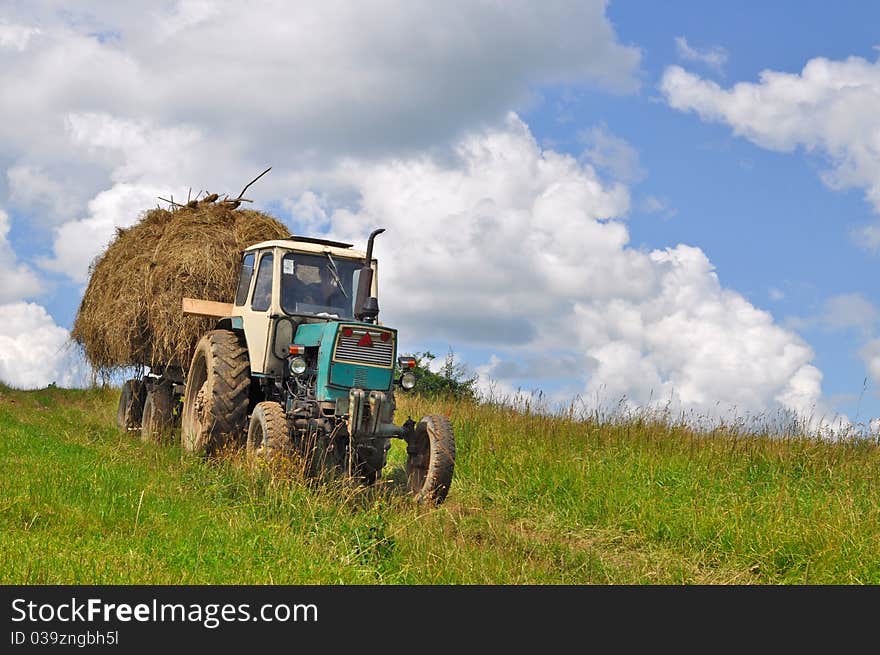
<point x="535" y="500"/>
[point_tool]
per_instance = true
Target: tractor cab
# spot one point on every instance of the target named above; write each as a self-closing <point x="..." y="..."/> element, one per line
<point x="286" y="283"/>
<point x="301" y="277"/>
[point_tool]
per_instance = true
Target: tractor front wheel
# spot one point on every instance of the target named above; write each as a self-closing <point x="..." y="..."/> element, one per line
<point x="216" y="400"/>
<point x="268" y="433"/>
<point x="431" y="459"/>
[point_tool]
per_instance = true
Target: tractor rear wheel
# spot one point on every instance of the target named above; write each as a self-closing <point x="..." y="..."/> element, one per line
<point x="131" y="405"/>
<point x="158" y="418"/>
<point x="431" y="459"/>
<point x="216" y="400"/>
<point x="268" y="433"/>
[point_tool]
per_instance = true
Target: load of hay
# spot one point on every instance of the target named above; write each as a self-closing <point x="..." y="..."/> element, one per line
<point x="131" y="313"/>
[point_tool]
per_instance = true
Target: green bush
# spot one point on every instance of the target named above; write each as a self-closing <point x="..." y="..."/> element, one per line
<point x="451" y="381"/>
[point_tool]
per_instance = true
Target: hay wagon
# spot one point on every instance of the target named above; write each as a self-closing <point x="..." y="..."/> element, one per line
<point x="280" y="351"/>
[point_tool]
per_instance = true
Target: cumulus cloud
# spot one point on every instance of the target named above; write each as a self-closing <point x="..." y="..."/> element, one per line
<point x="78" y="242"/>
<point x="32" y="189"/>
<point x="16" y="37"/>
<point x="313" y="78"/>
<point x="115" y="104"/>
<point x="147" y="162"/>
<point x="34" y="351"/>
<point x="521" y="250"/>
<point x="714" y="57"/>
<point x="831" y="107"/>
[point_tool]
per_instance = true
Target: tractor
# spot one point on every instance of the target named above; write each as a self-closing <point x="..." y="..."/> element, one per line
<point x="299" y="364"/>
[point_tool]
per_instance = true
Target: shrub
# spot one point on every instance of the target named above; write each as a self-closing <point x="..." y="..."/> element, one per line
<point x="451" y="380"/>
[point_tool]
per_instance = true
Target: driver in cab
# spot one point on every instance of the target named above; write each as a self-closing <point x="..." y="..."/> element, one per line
<point x="327" y="292"/>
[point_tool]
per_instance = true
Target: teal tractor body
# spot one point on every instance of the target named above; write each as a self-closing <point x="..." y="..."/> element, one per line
<point x="300" y="366"/>
<point x="340" y="364"/>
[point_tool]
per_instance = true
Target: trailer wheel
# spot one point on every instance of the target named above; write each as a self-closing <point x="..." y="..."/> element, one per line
<point x="431" y="459"/>
<point x="268" y="433"/>
<point x="216" y="400"/>
<point x="131" y="405"/>
<point x="158" y="418"/>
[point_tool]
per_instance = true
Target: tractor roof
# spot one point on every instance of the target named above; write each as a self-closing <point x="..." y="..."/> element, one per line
<point x="309" y="244"/>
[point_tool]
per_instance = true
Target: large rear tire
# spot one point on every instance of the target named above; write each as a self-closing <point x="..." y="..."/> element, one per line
<point x="158" y="418"/>
<point x="216" y="400"/>
<point x="268" y="433"/>
<point x="431" y="459"/>
<point x="131" y="405"/>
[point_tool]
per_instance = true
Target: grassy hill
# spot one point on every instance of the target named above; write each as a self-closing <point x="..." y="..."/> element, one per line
<point x="535" y="500"/>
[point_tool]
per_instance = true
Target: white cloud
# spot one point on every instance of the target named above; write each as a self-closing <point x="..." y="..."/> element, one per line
<point x="655" y="205"/>
<point x="309" y="212"/>
<point x="776" y="294"/>
<point x="16" y="37"/>
<point x="147" y="162"/>
<point x="31" y="188"/>
<point x="697" y="343"/>
<point x="137" y="149"/>
<point x="115" y="104"/>
<point x="714" y="57"/>
<point x="840" y="312"/>
<point x="34" y="351"/>
<point x="831" y="107"/>
<point x="518" y="249"/>
<point x="867" y="237"/>
<point x="870" y="354"/>
<point x="18" y="280"/>
<point x="78" y="242"/>
<point x="610" y="153"/>
<point x="850" y="310"/>
<point x="492" y="386"/>
<point x="309" y="79"/>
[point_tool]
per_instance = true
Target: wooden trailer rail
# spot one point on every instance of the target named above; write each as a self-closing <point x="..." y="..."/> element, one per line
<point x="208" y="308"/>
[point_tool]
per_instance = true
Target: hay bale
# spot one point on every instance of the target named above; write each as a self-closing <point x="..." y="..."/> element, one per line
<point x="131" y="314"/>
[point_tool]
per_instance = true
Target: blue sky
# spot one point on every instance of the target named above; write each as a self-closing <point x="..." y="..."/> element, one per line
<point x="440" y="106"/>
<point x="764" y="218"/>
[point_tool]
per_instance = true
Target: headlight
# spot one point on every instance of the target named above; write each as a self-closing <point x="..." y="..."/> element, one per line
<point x="408" y="380"/>
<point x="297" y="365"/>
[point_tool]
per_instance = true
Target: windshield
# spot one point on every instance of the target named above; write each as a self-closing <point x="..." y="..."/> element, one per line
<point x="310" y="284"/>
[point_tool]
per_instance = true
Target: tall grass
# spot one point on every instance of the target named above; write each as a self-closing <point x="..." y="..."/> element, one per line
<point x="536" y="498"/>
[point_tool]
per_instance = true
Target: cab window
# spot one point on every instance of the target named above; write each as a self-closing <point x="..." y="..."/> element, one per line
<point x="263" y="287"/>
<point x="244" y="279"/>
<point x="318" y="284"/>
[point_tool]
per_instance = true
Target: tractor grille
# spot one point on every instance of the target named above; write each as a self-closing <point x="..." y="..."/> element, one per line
<point x="353" y="345"/>
<point x="360" y="377"/>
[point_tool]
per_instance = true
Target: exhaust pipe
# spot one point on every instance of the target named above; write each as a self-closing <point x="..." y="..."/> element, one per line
<point x="367" y="306"/>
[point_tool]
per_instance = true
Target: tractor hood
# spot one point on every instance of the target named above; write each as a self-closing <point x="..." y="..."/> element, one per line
<point x="350" y="355"/>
